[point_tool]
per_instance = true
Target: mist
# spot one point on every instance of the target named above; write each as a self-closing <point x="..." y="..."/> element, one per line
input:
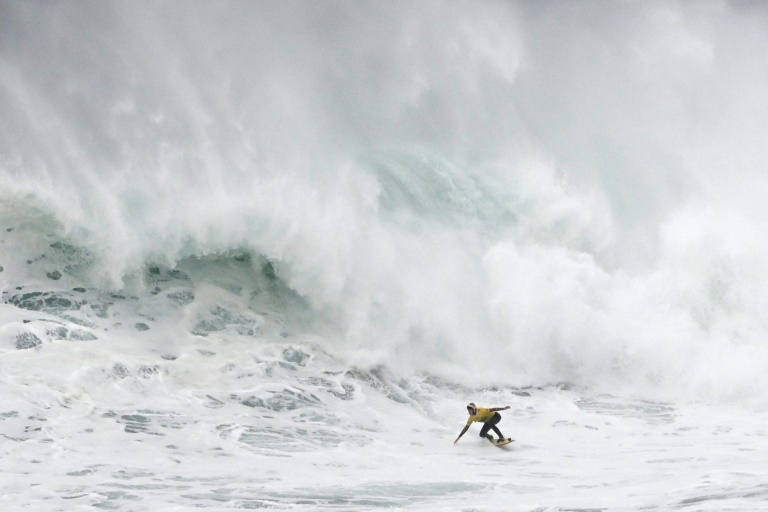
<point x="433" y="176"/>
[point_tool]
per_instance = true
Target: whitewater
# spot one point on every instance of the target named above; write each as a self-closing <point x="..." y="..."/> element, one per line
<point x="260" y="255"/>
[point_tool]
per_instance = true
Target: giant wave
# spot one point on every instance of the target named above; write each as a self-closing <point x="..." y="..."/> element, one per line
<point x="502" y="244"/>
<point x="283" y="232"/>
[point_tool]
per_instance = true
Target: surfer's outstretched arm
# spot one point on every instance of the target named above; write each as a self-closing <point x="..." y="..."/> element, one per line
<point x="497" y="409"/>
<point x="466" y="427"/>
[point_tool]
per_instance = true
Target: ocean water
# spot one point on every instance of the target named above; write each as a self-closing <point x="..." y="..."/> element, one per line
<point x="260" y="255"/>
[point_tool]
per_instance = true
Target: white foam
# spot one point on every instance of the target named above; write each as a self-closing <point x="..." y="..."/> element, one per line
<point x="263" y="255"/>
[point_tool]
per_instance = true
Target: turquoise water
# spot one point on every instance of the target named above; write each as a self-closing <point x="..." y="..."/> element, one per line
<point x="261" y="255"/>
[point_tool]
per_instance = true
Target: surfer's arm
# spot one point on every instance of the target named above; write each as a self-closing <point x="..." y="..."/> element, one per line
<point x="466" y="427"/>
<point x="497" y="409"/>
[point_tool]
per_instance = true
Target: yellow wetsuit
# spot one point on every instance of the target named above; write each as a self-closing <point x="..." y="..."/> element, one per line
<point x="488" y="417"/>
<point x="483" y="415"/>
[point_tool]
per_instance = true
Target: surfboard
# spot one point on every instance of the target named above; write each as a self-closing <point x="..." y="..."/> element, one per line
<point x="502" y="442"/>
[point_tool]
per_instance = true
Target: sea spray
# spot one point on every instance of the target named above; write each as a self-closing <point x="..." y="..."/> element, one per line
<point x="507" y="194"/>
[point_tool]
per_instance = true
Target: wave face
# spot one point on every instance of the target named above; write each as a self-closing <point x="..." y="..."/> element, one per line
<point x="509" y="194"/>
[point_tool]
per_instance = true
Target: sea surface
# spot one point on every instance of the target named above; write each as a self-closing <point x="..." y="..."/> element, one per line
<point x="260" y="255"/>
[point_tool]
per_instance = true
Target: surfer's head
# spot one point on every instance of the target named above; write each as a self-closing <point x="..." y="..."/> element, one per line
<point x="472" y="409"/>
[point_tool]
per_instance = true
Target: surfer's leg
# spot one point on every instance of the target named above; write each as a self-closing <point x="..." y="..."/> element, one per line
<point x="492" y="425"/>
<point x="484" y="431"/>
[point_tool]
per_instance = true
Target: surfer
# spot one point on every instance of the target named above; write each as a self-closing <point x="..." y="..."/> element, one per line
<point x="488" y="417"/>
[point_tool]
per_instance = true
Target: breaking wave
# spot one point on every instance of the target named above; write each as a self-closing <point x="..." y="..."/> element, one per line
<point x="393" y="201"/>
